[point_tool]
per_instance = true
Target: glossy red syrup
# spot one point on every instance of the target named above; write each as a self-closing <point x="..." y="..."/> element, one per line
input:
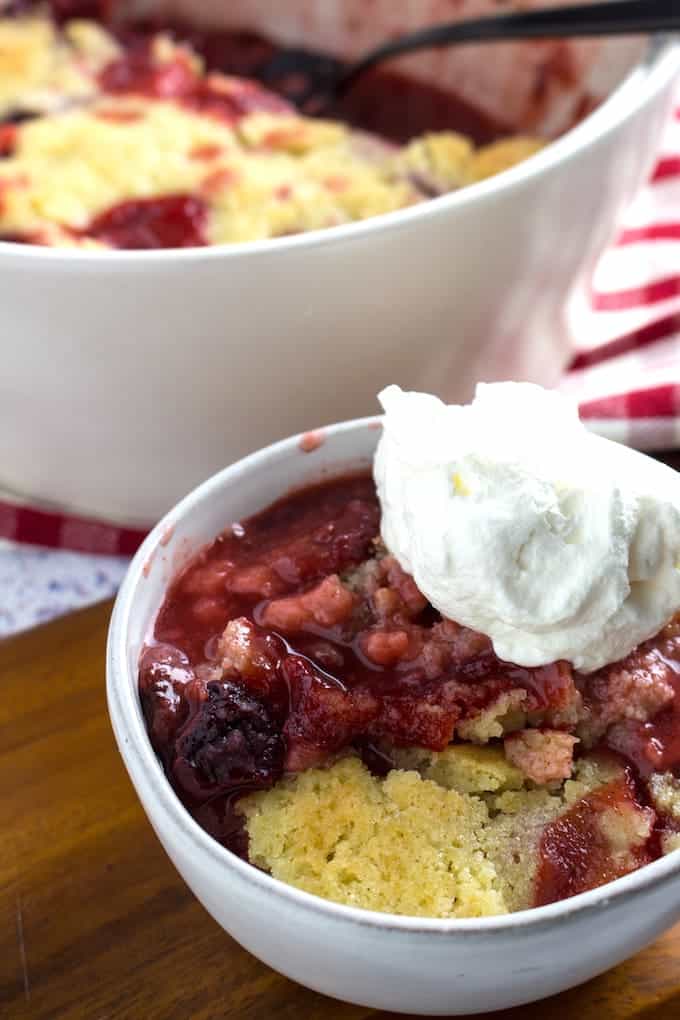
<point x="172" y="221"/>
<point x="8" y="137"/>
<point x="138" y="73"/>
<point x="290" y="545"/>
<point x="575" y="854"/>
<point x="654" y="746"/>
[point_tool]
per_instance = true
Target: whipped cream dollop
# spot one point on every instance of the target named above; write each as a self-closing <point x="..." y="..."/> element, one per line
<point x="515" y="521"/>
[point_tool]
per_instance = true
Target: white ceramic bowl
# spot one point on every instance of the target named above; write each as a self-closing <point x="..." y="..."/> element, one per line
<point x="379" y="960"/>
<point x="127" y="377"/>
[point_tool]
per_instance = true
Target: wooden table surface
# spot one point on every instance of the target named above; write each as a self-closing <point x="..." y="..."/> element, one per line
<point x="94" y="922"/>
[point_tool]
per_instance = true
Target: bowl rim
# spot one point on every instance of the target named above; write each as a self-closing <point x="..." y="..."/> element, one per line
<point x="648" y="76"/>
<point x="145" y="769"/>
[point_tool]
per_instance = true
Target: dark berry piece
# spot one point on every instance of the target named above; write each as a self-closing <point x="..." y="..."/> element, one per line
<point x="231" y="742"/>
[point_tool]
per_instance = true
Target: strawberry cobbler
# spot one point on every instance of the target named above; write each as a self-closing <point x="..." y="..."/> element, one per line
<point x="128" y="140"/>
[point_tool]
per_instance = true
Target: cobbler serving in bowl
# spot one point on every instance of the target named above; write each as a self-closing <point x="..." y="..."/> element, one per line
<point x="455" y="696"/>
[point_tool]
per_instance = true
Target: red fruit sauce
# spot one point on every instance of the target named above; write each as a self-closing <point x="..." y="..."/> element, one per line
<point x="574" y="853"/>
<point x="8" y="135"/>
<point x="173" y="221"/>
<point x="653" y="746"/>
<point x="138" y="73"/>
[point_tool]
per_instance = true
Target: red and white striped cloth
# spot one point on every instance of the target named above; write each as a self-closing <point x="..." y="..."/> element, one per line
<point x="625" y="373"/>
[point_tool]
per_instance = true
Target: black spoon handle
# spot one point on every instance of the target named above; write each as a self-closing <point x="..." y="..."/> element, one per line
<point x="616" y="17"/>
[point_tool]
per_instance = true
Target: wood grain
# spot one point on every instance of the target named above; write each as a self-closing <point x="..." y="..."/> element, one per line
<point x="94" y="922"/>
